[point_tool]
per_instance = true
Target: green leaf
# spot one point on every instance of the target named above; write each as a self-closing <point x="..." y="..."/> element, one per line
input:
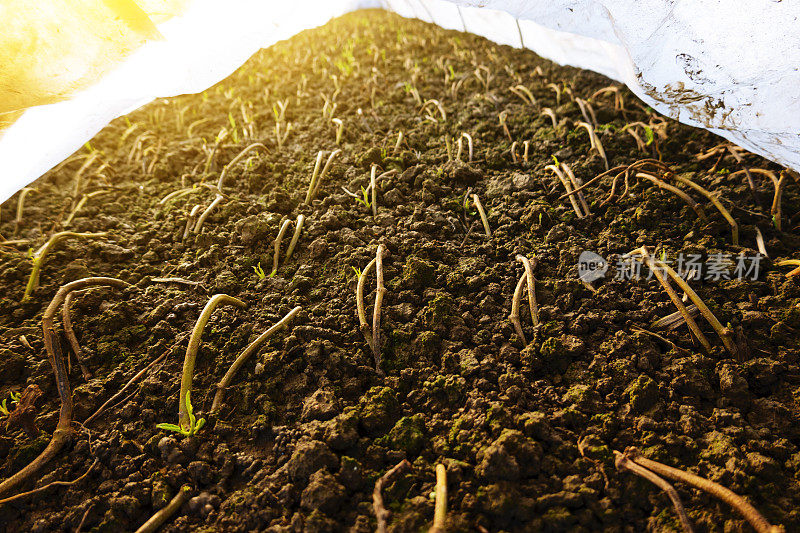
<point x="200" y="424"/>
<point x="172" y="427"/>
<point x="648" y="133"/>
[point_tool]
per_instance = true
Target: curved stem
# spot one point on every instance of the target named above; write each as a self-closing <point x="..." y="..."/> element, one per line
<point x="380" y="291"/>
<point x="440" y="508"/>
<point x="531" y="282"/>
<point x="298" y="227"/>
<point x="63" y="432"/>
<point x="514" y="316"/>
<point x="194" y="346"/>
<point x="245" y="355"/>
<point x="164" y="514"/>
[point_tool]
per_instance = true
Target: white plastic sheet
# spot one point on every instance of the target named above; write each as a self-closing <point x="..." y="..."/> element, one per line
<point x="720" y="65"/>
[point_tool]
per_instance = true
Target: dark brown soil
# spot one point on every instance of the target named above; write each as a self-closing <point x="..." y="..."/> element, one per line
<point x="309" y="424"/>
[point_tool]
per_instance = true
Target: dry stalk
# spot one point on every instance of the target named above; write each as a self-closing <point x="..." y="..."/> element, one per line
<point x="523" y="93"/>
<point x="221" y="183"/>
<point x="482" y="213"/>
<point x="790" y="262"/>
<point x="619" y="104"/>
<point x="587" y="111"/>
<point x="576" y="184"/>
<point x="713" y="199"/>
<point x="526" y="145"/>
<point x="193" y="347"/>
<point x="69" y="332"/>
<point x="339" y="129"/>
<point x="381" y="512"/>
<point x="277" y="246"/>
<point x="623" y="462"/>
<point x="502" y="117"/>
<point x="674" y="190"/>
<point x="724" y="333"/>
<point x="514" y="152"/>
<point x="190" y="221"/>
<point x="40" y="255"/>
<point x="741" y="505"/>
<point x="380" y="292"/>
<point x="437" y="105"/>
<point x="21" y="205"/>
<point x="440" y="506"/>
<point x="570" y="192"/>
<point x="468" y="137"/>
<point x="557" y="90"/>
<point x="317" y="177"/>
<point x="298" y="227"/>
<point x="514" y="317"/>
<point x="64" y="431"/>
<point x="398" y="143"/>
<point x="594" y="140"/>
<point x="550" y="113"/>
<point x="161" y="516"/>
<point x="85" y="198"/>
<point x="225" y="382"/>
<point x="362" y="316"/>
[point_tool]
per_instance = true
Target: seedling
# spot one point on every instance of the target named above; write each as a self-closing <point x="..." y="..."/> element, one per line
<point x="252" y="348"/>
<point x="317" y="176"/>
<point x="440" y="504"/>
<point x="550" y="113"/>
<point x="435" y="104"/>
<point x="526" y="145"/>
<point x="64" y="430"/>
<point x="526" y="279"/>
<point x="39" y="256"/>
<point x="594" y="140"/>
<point x="298" y="227"/>
<point x="339" y="129"/>
<point x="759" y="523"/>
<point x="523" y="93"/>
<point x="484" y="76"/>
<point x="484" y="220"/>
<point x="14" y="396"/>
<point x="69" y="332"/>
<point x="21" y="205"/>
<point x="372" y="338"/>
<point x="85" y="198"/>
<point x="282" y="133"/>
<point x="623" y="462"/>
<point x="502" y="117"/>
<point x="184" y="418"/>
<point x="259" y="271"/>
<point x="398" y="143"/>
<point x="657" y="267"/>
<point x="576" y="184"/>
<point x="587" y="111"/>
<point x="513" y="152"/>
<point x="194" y="425"/>
<point x="573" y="199"/>
<point x="277" y="246"/>
<point x="619" y="104"/>
<point x="557" y="90"/>
<point x="221" y="183"/>
<point x="468" y="137"/>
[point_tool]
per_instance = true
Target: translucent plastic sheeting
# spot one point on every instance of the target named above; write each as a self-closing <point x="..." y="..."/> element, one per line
<point x="710" y="64"/>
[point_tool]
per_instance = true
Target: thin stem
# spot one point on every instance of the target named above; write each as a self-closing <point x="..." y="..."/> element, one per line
<point x="741" y="505"/>
<point x="672" y="296"/>
<point x="245" y="355"/>
<point x="531" y="282"/>
<point x="190" y="221"/>
<point x="314" y="175"/>
<point x="362" y="316"/>
<point x="161" y="516"/>
<point x="514" y="317"/>
<point x="322" y="174"/>
<point x="566" y="184"/>
<point x="41" y="253"/>
<point x="372" y="184"/>
<point x="713" y="199"/>
<point x="380" y="292"/>
<point x="63" y="432"/>
<point x="576" y="183"/>
<point x="277" y="245"/>
<point x="594" y="140"/>
<point x="224" y="173"/>
<point x="194" y="346"/>
<point x="381" y="512"/>
<point x="623" y="462"/>
<point x="298" y="227"/>
<point x="440" y="506"/>
<point x="776" y="201"/>
<point x="202" y="219"/>
<point x="66" y="321"/>
<point x="677" y="192"/>
<point x="482" y="213"/>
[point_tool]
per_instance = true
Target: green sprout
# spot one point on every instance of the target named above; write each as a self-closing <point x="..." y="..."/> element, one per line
<point x="357" y="271"/>
<point x="260" y="271"/>
<point x="555" y="160"/>
<point x="365" y="202"/>
<point x="194" y="424"/>
<point x="15" y="396"/>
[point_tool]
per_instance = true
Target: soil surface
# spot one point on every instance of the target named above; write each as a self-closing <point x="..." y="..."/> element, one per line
<point x="526" y="432"/>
